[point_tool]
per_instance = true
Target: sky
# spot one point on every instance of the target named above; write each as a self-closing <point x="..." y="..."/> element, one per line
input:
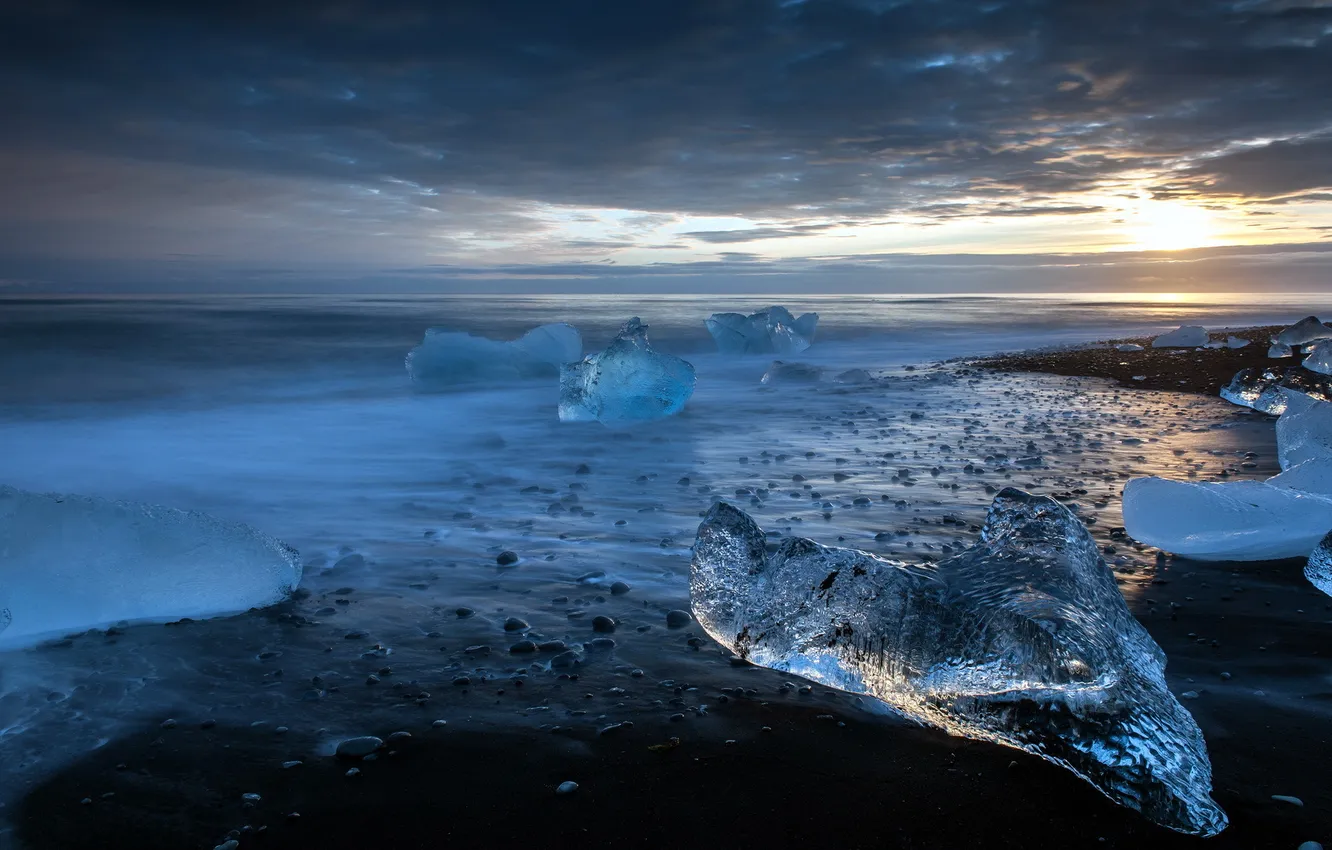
<point x="690" y="145"/>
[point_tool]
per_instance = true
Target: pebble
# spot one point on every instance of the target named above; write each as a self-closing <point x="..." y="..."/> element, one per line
<point x="229" y="844"/>
<point x="355" y="748"/>
<point x="169" y="723"/>
<point x="602" y="623"/>
<point x="1310" y="845"/>
<point x="678" y="619"/>
<point x="355" y="771"/>
<point x="439" y="724"/>
<point x="603" y="644"/>
<point x="399" y="736"/>
<point x="506" y="558"/>
<point x="523" y="647"/>
<point x="464" y="612"/>
<point x="1282" y="798"/>
<point x="251" y="798"/>
<point x="567" y="788"/>
<point x="288" y="765"/>
<point x="619" y="588"/>
<point x="513" y="624"/>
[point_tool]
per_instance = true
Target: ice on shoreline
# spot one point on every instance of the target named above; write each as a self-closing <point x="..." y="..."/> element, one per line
<point x="1230" y="521"/>
<point x="1303" y="332"/>
<point x="1266" y="390"/>
<point x="1185" y="336"/>
<point x="1320" y="359"/>
<point x="770" y="331"/>
<point x="70" y="563"/>
<point x="1022" y="640"/>
<point x="627" y="382"/>
<point x="446" y="358"/>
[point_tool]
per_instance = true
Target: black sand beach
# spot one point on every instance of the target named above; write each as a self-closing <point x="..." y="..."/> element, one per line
<point x="736" y="755"/>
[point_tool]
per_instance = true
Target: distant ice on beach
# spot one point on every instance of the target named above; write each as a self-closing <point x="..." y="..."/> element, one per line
<point x="1023" y="640"/>
<point x="770" y="331"/>
<point x="71" y="563"/>
<point x="446" y="358"/>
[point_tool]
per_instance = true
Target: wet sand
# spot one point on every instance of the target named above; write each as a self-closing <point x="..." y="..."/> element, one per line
<point x="1190" y="370"/>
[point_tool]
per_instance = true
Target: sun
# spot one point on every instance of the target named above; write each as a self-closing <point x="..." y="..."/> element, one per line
<point x="1169" y="226"/>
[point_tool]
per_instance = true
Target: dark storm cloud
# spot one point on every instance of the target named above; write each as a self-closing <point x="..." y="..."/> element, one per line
<point x="786" y="110"/>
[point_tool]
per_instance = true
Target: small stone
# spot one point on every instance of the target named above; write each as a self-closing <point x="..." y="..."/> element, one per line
<point x="1310" y="845"/>
<point x="506" y="558"/>
<point x="464" y="613"/>
<point x="399" y="736"/>
<point x="169" y="723"/>
<point x="513" y="624"/>
<point x="1294" y="801"/>
<point x="567" y="788"/>
<point x="288" y="765"/>
<point x="523" y="647"/>
<point x="1189" y="695"/>
<point x="619" y="588"/>
<point x="678" y="619"/>
<point x="603" y="624"/>
<point x="355" y="771"/>
<point x="251" y="798"/>
<point x="356" y="748"/>
<point x="602" y="644"/>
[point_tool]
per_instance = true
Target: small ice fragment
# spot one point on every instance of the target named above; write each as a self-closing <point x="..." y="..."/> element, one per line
<point x="1278" y="350"/>
<point x="1186" y="336"/>
<point x="627" y="382"/>
<point x="1128" y="346"/>
<point x="781" y="372"/>
<point x="70" y="563"/>
<point x="1236" y="342"/>
<point x="1305" y="331"/>
<point x="446" y="358"/>
<point x="1231" y="521"/>
<point x="1320" y="360"/>
<point x="770" y="331"/>
<point x="1319" y="569"/>
<point x="1022" y="640"/>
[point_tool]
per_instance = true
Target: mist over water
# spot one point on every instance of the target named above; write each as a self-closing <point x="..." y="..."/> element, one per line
<point x="296" y="416"/>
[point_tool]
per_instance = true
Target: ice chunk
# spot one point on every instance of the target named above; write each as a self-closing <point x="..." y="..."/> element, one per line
<point x="1304" y="431"/>
<point x="627" y="382"/>
<point x="1231" y="521"/>
<point x="781" y="372"/>
<point x="1320" y="360"/>
<point x="1264" y="389"/>
<point x="446" y="358"/>
<point x="1236" y="342"/>
<point x="1278" y="351"/>
<point x="770" y="331"/>
<point x="1319" y="568"/>
<point x="70" y="563"/>
<point x="1305" y="331"/>
<point x="853" y="376"/>
<point x="1311" y="476"/>
<point x="1128" y="346"/>
<point x="1023" y="640"/>
<point x="1186" y="336"/>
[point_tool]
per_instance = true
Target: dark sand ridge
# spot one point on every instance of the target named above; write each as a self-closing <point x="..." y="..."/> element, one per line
<point x="810" y="781"/>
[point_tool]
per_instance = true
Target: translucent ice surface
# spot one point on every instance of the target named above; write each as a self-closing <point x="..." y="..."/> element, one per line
<point x="1279" y="350"/>
<point x="627" y="382"/>
<point x="1188" y="336"/>
<point x="1304" y="431"/>
<point x="447" y="358"/>
<point x="781" y="372"/>
<point x="1264" y="389"/>
<point x="770" y="331"/>
<point x="1022" y="640"/>
<point x="1319" y="569"/>
<point x="1320" y="359"/>
<point x="1230" y="521"/>
<point x="1303" y="332"/>
<point x="70" y="563"/>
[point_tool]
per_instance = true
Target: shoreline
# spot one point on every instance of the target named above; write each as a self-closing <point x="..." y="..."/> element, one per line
<point x="1187" y="370"/>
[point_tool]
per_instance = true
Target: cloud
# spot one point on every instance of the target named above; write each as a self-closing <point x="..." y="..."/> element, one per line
<point x="416" y="128"/>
